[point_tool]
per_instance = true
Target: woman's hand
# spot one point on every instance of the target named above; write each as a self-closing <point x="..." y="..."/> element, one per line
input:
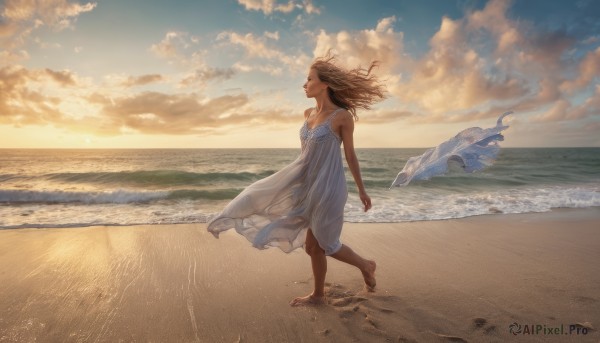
<point x="345" y="127"/>
<point x="365" y="199"/>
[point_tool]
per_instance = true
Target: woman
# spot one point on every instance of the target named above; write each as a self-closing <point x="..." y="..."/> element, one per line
<point x="303" y="204"/>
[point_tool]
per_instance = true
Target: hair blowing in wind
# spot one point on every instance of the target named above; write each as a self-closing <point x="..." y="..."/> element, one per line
<point x="349" y="89"/>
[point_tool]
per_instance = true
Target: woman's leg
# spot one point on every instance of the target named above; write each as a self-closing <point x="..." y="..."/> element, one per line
<point x="319" y="267"/>
<point x="367" y="267"/>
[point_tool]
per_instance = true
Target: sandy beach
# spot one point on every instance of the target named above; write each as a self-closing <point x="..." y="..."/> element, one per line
<point x="452" y="280"/>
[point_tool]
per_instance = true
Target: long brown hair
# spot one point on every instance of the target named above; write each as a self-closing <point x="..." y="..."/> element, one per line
<point x="349" y="89"/>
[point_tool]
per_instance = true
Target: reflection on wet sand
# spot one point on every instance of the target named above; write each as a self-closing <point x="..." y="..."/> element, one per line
<point x="463" y="279"/>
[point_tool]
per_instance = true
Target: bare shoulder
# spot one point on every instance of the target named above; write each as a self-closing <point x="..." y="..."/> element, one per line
<point x="344" y="117"/>
<point x="307" y="112"/>
<point x="343" y="123"/>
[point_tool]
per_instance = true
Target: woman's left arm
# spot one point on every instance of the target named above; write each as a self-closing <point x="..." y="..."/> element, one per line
<point x="347" y="135"/>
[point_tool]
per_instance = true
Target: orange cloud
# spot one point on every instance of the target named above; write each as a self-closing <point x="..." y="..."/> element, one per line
<point x="459" y="79"/>
<point x="179" y="114"/>
<point x="64" y="78"/>
<point x="142" y="80"/>
<point x="21" y="105"/>
<point x="382" y="43"/>
<point x="159" y="113"/>
<point x="589" y="68"/>
<point x="21" y="17"/>
<point x="25" y="100"/>
<point x="564" y="110"/>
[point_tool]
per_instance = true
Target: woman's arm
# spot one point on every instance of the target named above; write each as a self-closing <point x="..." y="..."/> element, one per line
<point x="347" y="136"/>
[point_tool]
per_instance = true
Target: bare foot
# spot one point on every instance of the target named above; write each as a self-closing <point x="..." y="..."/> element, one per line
<point x="369" y="276"/>
<point x="308" y="300"/>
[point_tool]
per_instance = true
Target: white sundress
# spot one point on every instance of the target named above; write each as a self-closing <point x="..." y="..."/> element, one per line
<point x="308" y="193"/>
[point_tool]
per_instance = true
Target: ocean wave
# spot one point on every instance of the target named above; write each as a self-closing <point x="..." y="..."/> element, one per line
<point x="420" y="204"/>
<point x="411" y="204"/>
<point x="112" y="197"/>
<point x="219" y="194"/>
<point x="452" y="182"/>
<point x="49" y="197"/>
<point x="8" y="177"/>
<point x="154" y="178"/>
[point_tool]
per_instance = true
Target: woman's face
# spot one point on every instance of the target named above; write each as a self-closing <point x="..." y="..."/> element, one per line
<point x="313" y="85"/>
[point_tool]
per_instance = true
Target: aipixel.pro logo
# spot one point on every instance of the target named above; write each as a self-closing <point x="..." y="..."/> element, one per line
<point x="548" y="330"/>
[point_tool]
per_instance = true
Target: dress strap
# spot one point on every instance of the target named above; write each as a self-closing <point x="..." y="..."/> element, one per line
<point x="332" y="115"/>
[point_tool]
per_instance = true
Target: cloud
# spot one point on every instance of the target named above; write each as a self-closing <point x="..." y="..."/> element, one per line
<point x="455" y="76"/>
<point x="142" y="80"/>
<point x="272" y="35"/>
<point x="64" y="77"/>
<point x="256" y="47"/>
<point x="204" y="74"/>
<point x="21" y="104"/>
<point x="8" y="57"/>
<point x="21" y="17"/>
<point x="268" y="7"/>
<point x="54" y="13"/>
<point x="177" y="48"/>
<point x="310" y="8"/>
<point x="591" y="40"/>
<point x="589" y="69"/>
<point x="562" y="109"/>
<point x="265" y="68"/>
<point x="476" y="67"/>
<point x="182" y="114"/>
<point x="159" y="113"/>
<point x="492" y="18"/>
<point x="172" y="46"/>
<point x="45" y="97"/>
<point x="353" y="48"/>
<point x="39" y="96"/>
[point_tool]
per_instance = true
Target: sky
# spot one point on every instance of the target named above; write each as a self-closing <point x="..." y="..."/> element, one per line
<point x="229" y="73"/>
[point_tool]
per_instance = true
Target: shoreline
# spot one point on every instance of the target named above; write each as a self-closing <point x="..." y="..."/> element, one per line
<point x="73" y="226"/>
<point x="451" y="280"/>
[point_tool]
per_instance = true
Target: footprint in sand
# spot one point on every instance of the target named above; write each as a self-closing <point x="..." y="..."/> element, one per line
<point x="372" y="317"/>
<point x="347" y="301"/>
<point x="480" y="323"/>
<point x="337" y="291"/>
<point x="357" y="310"/>
<point x="341" y="302"/>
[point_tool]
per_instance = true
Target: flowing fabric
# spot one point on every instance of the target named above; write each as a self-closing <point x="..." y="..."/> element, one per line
<point x="473" y="149"/>
<point x="308" y="193"/>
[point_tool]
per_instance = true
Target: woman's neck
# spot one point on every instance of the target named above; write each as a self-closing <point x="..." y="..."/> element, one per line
<point x="324" y="104"/>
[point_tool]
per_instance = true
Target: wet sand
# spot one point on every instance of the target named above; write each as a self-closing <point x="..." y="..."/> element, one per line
<point x="447" y="281"/>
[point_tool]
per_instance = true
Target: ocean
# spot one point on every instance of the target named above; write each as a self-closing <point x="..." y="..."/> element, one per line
<point x="76" y="188"/>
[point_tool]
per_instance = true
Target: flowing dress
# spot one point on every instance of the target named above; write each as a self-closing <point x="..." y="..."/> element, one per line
<point x="308" y="193"/>
<point x="473" y="149"/>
